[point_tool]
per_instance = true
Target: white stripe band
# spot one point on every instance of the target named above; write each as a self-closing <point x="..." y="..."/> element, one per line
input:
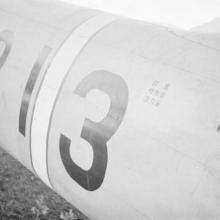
<point x="50" y="87"/>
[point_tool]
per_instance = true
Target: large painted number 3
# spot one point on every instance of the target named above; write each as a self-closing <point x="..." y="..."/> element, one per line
<point x="6" y="40"/>
<point x="97" y="134"/>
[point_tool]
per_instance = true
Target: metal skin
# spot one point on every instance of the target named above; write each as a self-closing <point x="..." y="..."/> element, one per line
<point x="120" y="117"/>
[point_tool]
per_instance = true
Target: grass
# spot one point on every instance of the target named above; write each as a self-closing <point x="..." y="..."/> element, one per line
<point x="24" y="197"/>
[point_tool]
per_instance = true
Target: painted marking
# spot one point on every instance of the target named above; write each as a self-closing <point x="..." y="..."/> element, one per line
<point x="156" y="93"/>
<point x="7" y="38"/>
<point x="30" y="87"/>
<point x="97" y="134"/>
<point x="50" y="87"/>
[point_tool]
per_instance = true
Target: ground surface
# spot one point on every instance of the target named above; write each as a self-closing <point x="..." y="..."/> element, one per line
<point x="25" y="197"/>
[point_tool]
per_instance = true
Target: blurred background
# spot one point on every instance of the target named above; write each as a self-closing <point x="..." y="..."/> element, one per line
<point x="180" y="13"/>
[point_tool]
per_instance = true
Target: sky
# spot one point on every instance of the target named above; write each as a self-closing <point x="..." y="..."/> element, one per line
<point x="179" y="13"/>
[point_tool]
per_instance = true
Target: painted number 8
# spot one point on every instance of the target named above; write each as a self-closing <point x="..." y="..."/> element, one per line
<point x="97" y="134"/>
<point x="6" y="39"/>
